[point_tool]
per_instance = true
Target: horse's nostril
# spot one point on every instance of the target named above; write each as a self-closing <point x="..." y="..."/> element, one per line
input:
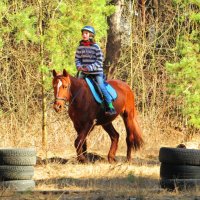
<point x="57" y="107"/>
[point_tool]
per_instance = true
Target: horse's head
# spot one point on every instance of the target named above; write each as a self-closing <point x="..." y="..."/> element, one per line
<point x="61" y="86"/>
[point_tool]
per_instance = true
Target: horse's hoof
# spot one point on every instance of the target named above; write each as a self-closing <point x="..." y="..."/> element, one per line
<point x="128" y="161"/>
<point x="112" y="160"/>
<point x="83" y="160"/>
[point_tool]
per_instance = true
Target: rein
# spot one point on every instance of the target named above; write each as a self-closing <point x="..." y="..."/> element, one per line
<point x="74" y="97"/>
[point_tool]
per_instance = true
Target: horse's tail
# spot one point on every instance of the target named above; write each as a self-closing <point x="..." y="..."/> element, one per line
<point x="137" y="134"/>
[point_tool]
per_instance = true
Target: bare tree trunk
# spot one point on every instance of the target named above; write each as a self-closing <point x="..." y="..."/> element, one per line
<point x="113" y="45"/>
<point x="156" y="8"/>
<point x="143" y="13"/>
<point x="149" y="6"/>
<point x="44" y="107"/>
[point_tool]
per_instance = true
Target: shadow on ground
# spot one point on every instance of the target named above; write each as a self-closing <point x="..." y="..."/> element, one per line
<point x="93" y="158"/>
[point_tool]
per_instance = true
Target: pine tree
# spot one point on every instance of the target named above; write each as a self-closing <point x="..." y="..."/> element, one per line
<point x="185" y="73"/>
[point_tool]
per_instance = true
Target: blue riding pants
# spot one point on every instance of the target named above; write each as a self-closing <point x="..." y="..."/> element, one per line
<point x="100" y="80"/>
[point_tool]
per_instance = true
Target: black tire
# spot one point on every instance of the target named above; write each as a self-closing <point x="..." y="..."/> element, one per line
<point x="168" y="171"/>
<point x="179" y="156"/>
<point x="171" y="184"/>
<point x="20" y="157"/>
<point x="16" y="172"/>
<point x="18" y="185"/>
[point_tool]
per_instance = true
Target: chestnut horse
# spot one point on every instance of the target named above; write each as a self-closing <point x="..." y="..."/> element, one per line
<point x="85" y="113"/>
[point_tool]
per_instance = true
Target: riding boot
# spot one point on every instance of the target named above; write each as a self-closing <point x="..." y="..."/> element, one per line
<point x="110" y="110"/>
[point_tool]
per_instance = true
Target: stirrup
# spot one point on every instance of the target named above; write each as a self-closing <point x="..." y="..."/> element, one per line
<point x="111" y="111"/>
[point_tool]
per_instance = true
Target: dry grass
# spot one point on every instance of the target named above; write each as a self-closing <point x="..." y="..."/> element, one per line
<point x="101" y="180"/>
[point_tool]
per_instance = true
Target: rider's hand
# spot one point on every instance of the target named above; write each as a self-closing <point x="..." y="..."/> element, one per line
<point x="80" y="68"/>
<point x="85" y="69"/>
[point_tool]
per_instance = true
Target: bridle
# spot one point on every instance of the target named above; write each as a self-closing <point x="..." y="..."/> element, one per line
<point x="61" y="99"/>
<point x="67" y="88"/>
<point x="64" y="99"/>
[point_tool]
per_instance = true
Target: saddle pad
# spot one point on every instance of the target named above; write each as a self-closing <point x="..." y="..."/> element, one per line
<point x="96" y="96"/>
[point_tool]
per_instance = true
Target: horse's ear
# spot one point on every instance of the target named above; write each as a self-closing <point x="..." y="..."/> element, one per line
<point x="54" y="73"/>
<point x="65" y="73"/>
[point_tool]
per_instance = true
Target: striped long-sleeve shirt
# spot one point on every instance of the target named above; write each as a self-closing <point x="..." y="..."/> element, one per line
<point x="91" y="57"/>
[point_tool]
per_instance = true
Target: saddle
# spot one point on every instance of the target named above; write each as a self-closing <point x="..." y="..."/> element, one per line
<point x="96" y="92"/>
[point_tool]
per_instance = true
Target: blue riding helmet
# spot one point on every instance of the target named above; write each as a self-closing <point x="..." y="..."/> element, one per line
<point x="88" y="28"/>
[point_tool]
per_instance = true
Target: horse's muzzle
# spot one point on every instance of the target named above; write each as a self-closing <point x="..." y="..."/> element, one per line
<point x="58" y="106"/>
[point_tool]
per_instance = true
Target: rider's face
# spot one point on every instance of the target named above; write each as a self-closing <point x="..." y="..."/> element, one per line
<point x="85" y="35"/>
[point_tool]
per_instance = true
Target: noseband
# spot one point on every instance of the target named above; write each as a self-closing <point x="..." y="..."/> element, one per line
<point x="61" y="99"/>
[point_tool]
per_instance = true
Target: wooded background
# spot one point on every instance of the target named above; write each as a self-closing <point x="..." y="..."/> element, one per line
<point x="152" y="45"/>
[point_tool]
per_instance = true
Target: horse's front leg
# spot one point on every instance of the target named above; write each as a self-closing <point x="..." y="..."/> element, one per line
<point x="80" y="145"/>
<point x="80" y="142"/>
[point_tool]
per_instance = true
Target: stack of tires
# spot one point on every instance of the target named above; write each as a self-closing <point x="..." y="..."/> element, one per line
<point x="180" y="168"/>
<point x="16" y="168"/>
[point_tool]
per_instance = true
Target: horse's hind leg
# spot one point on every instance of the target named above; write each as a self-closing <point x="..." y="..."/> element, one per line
<point x="134" y="137"/>
<point x="114" y="136"/>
